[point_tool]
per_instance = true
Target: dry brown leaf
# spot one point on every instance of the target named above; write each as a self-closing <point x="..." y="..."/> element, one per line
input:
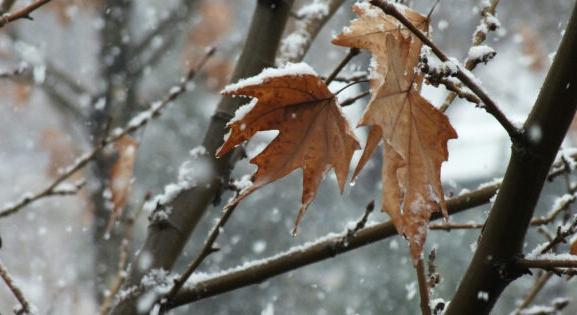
<point x="313" y="133"/>
<point x="368" y="31"/>
<point x="121" y="176"/>
<point x="415" y="133"/>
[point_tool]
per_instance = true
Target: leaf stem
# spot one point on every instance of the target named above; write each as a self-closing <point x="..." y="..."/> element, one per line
<point x="423" y="287"/>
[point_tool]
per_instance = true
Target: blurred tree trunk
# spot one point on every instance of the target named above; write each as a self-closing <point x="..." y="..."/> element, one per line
<point x="119" y="104"/>
<point x="165" y="242"/>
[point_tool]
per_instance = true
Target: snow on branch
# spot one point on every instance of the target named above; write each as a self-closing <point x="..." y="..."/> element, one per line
<point x="24" y="308"/>
<point x="311" y="18"/>
<point x="136" y="123"/>
<point x="478" y="53"/>
<point x="202" y="285"/>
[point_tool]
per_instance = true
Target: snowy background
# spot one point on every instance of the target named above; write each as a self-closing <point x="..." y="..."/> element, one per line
<point x="47" y="246"/>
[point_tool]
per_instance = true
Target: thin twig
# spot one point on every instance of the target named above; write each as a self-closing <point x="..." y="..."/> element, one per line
<point x="358" y="75"/>
<point x="208" y="248"/>
<point x="423" y="287"/>
<point x="25" y="305"/>
<point x="326" y="248"/>
<point x="457" y="90"/>
<point x="550" y="217"/>
<point x="561" y="236"/>
<point x="133" y="125"/>
<point x="536" y="221"/>
<point x="348" y="57"/>
<point x="514" y="133"/>
<point x="353" y="99"/>
<point x="349" y="85"/>
<point x="23" y="13"/>
<point x="535" y="289"/>
<point x="123" y="258"/>
<point x="455" y="226"/>
<point x="361" y="222"/>
<point x="478" y="38"/>
<point x="434" y="276"/>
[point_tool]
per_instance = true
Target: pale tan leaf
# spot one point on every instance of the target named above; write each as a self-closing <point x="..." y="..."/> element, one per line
<point x="313" y="133"/>
<point x="415" y="133"/>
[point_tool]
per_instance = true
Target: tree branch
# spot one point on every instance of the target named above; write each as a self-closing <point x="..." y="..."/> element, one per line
<point x="479" y="37"/>
<point x="136" y="123"/>
<point x="546" y="264"/>
<point x="423" y="287"/>
<point x="306" y="30"/>
<point x="515" y="134"/>
<point x="25" y="305"/>
<point x="324" y="248"/>
<point x="23" y="13"/>
<point x="506" y="226"/>
<point x="348" y="57"/>
<point x="535" y="289"/>
<point x="208" y="248"/>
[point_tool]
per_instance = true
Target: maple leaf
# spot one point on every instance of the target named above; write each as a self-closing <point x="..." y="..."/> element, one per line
<point x="370" y="28"/>
<point x="415" y="133"/>
<point x="313" y="133"/>
<point x="121" y="176"/>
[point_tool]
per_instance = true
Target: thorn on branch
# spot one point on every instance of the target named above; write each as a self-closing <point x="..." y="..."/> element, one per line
<point x="23" y="13"/>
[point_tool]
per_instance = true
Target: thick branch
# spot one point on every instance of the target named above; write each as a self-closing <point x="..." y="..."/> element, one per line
<point x="165" y="243"/>
<point x="324" y="248"/>
<point x="306" y="30"/>
<point x="506" y="226"/>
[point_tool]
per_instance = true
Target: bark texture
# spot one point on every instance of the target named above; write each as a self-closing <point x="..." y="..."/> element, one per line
<point x="502" y="239"/>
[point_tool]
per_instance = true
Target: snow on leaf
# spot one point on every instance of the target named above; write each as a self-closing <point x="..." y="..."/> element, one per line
<point x="415" y="133"/>
<point x="313" y="133"/>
